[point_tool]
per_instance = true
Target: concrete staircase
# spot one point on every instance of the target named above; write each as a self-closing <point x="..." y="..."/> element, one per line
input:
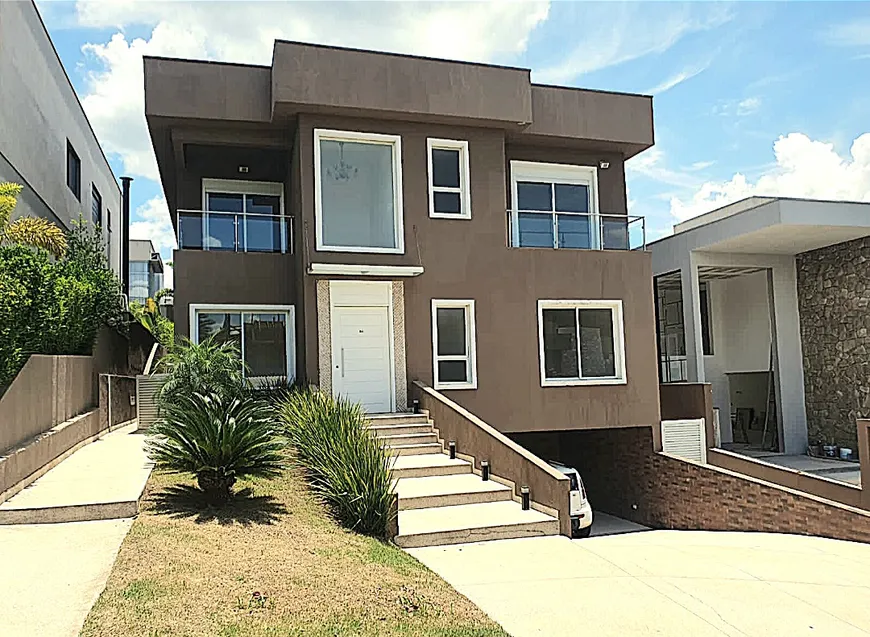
<point x="444" y="501"/>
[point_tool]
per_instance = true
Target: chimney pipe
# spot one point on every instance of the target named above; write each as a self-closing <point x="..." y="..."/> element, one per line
<point x="125" y="224"/>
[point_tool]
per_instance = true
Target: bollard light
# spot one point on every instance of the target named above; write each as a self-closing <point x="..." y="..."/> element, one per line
<point x="416" y="406"/>
<point x="451" y="446"/>
<point x="484" y="470"/>
<point x="524" y="492"/>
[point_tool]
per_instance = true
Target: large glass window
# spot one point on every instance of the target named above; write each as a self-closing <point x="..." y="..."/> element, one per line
<point x="240" y="221"/>
<point x="581" y="342"/>
<point x="263" y="337"/>
<point x="449" y="195"/>
<point x="555" y="206"/>
<point x="453" y="342"/>
<point x="358" y="198"/>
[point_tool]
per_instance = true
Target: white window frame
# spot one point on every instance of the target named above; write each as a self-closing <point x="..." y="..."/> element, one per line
<point x="290" y="326"/>
<point x="556" y="174"/>
<point x="324" y="134"/>
<point x="615" y="306"/>
<point x="244" y="187"/>
<point x="470" y="343"/>
<point x="464" y="189"/>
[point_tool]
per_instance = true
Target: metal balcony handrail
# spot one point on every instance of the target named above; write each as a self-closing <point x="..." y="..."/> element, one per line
<point x="601" y="216"/>
<point x="284" y="220"/>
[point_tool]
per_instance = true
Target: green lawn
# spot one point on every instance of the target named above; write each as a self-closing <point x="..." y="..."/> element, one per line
<point x="271" y="564"/>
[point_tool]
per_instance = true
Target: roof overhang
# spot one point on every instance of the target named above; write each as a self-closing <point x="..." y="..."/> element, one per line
<point x="770" y="226"/>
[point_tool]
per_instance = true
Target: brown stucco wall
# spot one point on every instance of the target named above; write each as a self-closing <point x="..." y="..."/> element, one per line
<point x="621" y="471"/>
<point x="688" y="401"/>
<point x="833" y="291"/>
<point x="468" y="259"/>
<point x="237" y="278"/>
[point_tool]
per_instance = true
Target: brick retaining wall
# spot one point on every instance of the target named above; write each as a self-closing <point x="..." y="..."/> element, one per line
<point x="621" y="472"/>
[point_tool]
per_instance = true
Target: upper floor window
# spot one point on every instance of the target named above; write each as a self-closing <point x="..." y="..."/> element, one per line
<point x="358" y="191"/>
<point x="238" y="216"/>
<point x="96" y="206"/>
<point x="449" y="183"/>
<point x="454" y="347"/>
<point x="73" y="171"/>
<point x="554" y="206"/>
<point x="581" y="342"/>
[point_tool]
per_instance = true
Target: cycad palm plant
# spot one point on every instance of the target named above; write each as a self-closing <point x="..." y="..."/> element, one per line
<point x="218" y="439"/>
<point x="345" y="463"/>
<point x="29" y="231"/>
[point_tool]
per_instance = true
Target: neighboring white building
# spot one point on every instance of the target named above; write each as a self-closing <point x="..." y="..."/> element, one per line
<point x="46" y="142"/>
<point x="146" y="270"/>
<point x="728" y="296"/>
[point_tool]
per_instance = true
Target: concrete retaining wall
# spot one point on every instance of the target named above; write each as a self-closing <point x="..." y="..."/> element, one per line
<point x="47" y="391"/>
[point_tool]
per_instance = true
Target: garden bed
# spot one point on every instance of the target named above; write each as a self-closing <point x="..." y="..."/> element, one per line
<point x="269" y="563"/>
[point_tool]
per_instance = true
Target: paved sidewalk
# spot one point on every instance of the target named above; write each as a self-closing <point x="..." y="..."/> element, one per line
<point x="698" y="583"/>
<point x="53" y="573"/>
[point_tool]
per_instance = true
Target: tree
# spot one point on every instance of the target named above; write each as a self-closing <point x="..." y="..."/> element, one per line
<point x="29" y="231"/>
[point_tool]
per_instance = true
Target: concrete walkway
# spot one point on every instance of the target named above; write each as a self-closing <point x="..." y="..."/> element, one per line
<point x="664" y="583"/>
<point x="101" y="481"/>
<point x="53" y="565"/>
<point x="53" y="573"/>
<point x="840" y="470"/>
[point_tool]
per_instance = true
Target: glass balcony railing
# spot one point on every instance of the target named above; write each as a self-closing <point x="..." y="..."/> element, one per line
<point x="575" y="230"/>
<point x="234" y="231"/>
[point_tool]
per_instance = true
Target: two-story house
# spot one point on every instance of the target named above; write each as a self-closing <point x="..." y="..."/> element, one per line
<point x="362" y="220"/>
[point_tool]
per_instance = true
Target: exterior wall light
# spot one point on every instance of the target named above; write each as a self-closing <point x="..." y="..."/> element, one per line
<point x="604" y="165"/>
<point x="243" y="169"/>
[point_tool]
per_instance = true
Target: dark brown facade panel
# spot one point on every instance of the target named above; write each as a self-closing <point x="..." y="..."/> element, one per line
<point x="233" y="278"/>
<point x="305" y="76"/>
<point x="207" y="91"/>
<point x="608" y="117"/>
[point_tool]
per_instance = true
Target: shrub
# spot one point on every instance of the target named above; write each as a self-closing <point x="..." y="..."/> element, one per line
<point x="218" y="439"/>
<point x="344" y="462"/>
<point x="206" y="367"/>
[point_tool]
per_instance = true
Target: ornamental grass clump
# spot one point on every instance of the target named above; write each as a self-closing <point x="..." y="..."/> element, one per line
<point x="218" y="439"/>
<point x="343" y="461"/>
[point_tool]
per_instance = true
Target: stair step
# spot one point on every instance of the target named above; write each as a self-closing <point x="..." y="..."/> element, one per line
<point x="452" y="490"/>
<point x="439" y="526"/>
<point x="409" y="439"/>
<point x="414" y="450"/>
<point x="428" y="465"/>
<point x="398" y="430"/>
<point x="397" y="419"/>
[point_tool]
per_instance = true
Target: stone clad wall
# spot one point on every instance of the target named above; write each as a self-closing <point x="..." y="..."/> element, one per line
<point x="834" y="301"/>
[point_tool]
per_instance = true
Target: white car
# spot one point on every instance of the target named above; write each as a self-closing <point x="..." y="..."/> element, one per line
<point x="579" y="507"/>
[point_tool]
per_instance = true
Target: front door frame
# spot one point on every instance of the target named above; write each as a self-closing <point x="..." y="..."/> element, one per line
<point x="382" y="298"/>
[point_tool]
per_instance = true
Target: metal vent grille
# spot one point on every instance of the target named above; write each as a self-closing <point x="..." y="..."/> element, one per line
<point x="685" y="438"/>
<point x="146" y="398"/>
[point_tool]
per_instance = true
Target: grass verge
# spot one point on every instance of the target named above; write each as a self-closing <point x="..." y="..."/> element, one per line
<point x="271" y="564"/>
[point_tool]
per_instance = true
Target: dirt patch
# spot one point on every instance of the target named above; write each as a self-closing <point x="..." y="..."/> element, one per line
<point x="272" y="563"/>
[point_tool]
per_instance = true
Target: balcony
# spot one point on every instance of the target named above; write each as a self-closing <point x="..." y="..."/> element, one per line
<point x="575" y="230"/>
<point x="234" y="231"/>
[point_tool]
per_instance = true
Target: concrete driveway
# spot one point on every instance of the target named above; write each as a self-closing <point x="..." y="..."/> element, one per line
<point x="694" y="583"/>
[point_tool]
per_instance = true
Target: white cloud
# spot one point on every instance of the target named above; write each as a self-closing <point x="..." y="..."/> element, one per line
<point x="651" y="164"/>
<point x="738" y="108"/>
<point x="804" y="168"/>
<point x="701" y="165"/>
<point x="677" y="78"/>
<point x="245" y="31"/>
<point x="852" y="33"/>
<point x="748" y="106"/>
<point x="625" y="32"/>
<point x="153" y="222"/>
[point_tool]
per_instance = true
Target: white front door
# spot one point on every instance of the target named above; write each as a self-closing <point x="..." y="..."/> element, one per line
<point x="361" y="356"/>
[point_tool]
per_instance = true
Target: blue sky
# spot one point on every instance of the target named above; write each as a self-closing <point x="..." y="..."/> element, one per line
<point x="750" y="98"/>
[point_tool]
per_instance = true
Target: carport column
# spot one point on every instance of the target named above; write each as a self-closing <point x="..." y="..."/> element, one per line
<point x="789" y="366"/>
<point x="692" y="319"/>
